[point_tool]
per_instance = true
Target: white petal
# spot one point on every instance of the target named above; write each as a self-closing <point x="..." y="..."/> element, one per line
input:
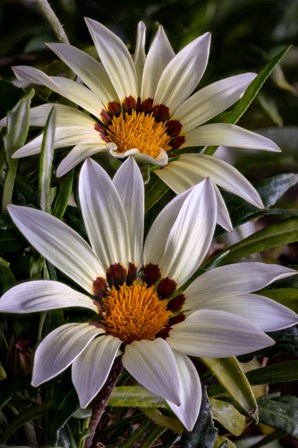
<point x="223" y="217"/>
<point x="60" y="348"/>
<point x="67" y="88"/>
<point x="43" y="295"/>
<point x="153" y="365"/>
<point x="160" y="160"/>
<point x="212" y="100"/>
<point x="159" y="55"/>
<point x="91" y="72"/>
<point x="59" y="244"/>
<point x="233" y="279"/>
<point x="189" y="169"/>
<point x="116" y="59"/>
<point x="91" y="368"/>
<point x="68" y="136"/>
<point x="77" y="155"/>
<point x="190" y="392"/>
<point x="103" y="215"/>
<point x="130" y="186"/>
<point x="184" y="248"/>
<point x="140" y="56"/>
<point x="217" y="334"/>
<point x="228" y="135"/>
<point x="183" y="73"/>
<point x="65" y="116"/>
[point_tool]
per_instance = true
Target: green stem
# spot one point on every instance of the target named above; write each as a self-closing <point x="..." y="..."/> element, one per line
<point x="53" y="20"/>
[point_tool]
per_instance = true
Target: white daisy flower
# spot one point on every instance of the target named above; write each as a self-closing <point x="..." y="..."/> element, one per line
<point x="144" y="105"/>
<point x="135" y="289"/>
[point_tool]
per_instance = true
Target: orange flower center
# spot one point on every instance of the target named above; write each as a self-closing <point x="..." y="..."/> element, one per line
<point x="138" y="130"/>
<point x="134" y="312"/>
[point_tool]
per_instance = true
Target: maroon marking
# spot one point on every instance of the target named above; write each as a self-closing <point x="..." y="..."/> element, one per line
<point x="176" y="319"/>
<point x="146" y="106"/>
<point x="176" y="303"/>
<point x="161" y="112"/>
<point x="116" y="275"/>
<point x="105" y="117"/>
<point x="164" y="333"/>
<point x="166" y="288"/>
<point x="176" y="142"/>
<point x="114" y="108"/>
<point x="131" y="274"/>
<point x="100" y="287"/>
<point x="174" y="128"/>
<point x="129" y="104"/>
<point x="151" y="274"/>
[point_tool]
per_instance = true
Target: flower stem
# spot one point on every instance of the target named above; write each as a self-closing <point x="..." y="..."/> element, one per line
<point x="100" y="402"/>
<point x="53" y="20"/>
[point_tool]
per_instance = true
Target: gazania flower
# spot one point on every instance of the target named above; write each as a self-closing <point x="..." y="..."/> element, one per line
<point x="135" y="290"/>
<point x="144" y="105"/>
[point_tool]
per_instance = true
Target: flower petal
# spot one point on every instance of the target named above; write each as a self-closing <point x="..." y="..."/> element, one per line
<point x="59" y="244"/>
<point x="115" y="58"/>
<point x="228" y="135"/>
<point x="159" y="55"/>
<point x="223" y="217"/>
<point x="190" y="392"/>
<point x="103" y="215"/>
<point x="217" y="334"/>
<point x="153" y="365"/>
<point x="140" y="56"/>
<point x="189" y="237"/>
<point x="43" y="295"/>
<point x="130" y="186"/>
<point x="212" y="100"/>
<point x="73" y="91"/>
<point x="77" y="155"/>
<point x="91" y="368"/>
<point x="189" y="169"/>
<point x="91" y="72"/>
<point x="183" y="73"/>
<point x="160" y="160"/>
<point x="60" y="348"/>
<point x="65" y="116"/>
<point x="68" y="136"/>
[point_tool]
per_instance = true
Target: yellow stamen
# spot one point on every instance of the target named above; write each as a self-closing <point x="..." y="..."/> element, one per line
<point x="138" y="130"/>
<point x="135" y="312"/>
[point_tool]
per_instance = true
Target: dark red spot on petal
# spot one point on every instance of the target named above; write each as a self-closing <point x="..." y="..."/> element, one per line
<point x="176" y="303"/>
<point x="176" y="142"/>
<point x="166" y="288"/>
<point x="161" y="112"/>
<point x="114" y="108"/>
<point x="129" y="104"/>
<point x="105" y="117"/>
<point x="131" y="274"/>
<point x="116" y="275"/>
<point x="100" y="287"/>
<point x="174" y="128"/>
<point x="151" y="274"/>
<point x="176" y="319"/>
<point x="164" y="333"/>
<point x="146" y="105"/>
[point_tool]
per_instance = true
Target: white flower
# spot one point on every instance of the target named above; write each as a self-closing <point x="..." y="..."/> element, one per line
<point x="144" y="105"/>
<point x="135" y="289"/>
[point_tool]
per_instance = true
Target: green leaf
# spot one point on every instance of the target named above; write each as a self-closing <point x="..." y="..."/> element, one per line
<point x="64" y="194"/>
<point x="223" y="442"/>
<point x="162" y="420"/>
<point x="7" y="279"/>
<point x="204" y="433"/>
<point x="230" y="375"/>
<point x="228" y="416"/>
<point x="17" y="131"/>
<point x="285" y="296"/>
<point x="275" y="235"/>
<point x="275" y="373"/>
<point x="280" y="413"/>
<point x="63" y="411"/>
<point x="250" y="93"/>
<point x="155" y="190"/>
<point x="136" y="397"/>
<point x="46" y="160"/>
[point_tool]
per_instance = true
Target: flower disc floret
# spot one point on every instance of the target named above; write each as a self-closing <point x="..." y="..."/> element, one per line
<point x="134" y="313"/>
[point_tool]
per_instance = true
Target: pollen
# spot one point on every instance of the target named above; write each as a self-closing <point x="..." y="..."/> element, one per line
<point x="138" y="130"/>
<point x="134" y="312"/>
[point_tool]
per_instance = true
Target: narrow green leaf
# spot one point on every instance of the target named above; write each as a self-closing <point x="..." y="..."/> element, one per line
<point x="155" y="190"/>
<point x="276" y="373"/>
<point x="223" y="442"/>
<point x="63" y="411"/>
<point x="162" y="420"/>
<point x="204" y="433"/>
<point x="250" y="93"/>
<point x="275" y="235"/>
<point x="280" y="413"/>
<point x="136" y="397"/>
<point x="228" y="416"/>
<point x="64" y="194"/>
<point x="230" y="375"/>
<point x="17" y="131"/>
<point x="7" y="279"/>
<point x="46" y="160"/>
